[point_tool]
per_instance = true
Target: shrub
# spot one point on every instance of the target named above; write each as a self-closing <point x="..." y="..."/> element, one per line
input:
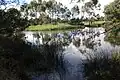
<point x="43" y="59"/>
<point x="103" y="67"/>
<point x="16" y="56"/>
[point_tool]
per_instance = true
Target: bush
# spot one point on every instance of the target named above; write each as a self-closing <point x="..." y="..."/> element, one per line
<point x="113" y="30"/>
<point x="10" y="69"/>
<point x="43" y="59"/>
<point x="103" y="67"/>
<point x="19" y="58"/>
<point x="75" y="22"/>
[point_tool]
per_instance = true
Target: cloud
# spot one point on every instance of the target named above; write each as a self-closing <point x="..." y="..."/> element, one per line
<point x="28" y="1"/>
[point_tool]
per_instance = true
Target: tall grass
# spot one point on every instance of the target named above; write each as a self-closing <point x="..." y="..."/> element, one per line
<point x="103" y="67"/>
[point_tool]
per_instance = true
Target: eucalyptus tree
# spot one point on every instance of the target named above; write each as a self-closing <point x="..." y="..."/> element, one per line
<point x="24" y="10"/>
<point x="50" y="5"/>
<point x="33" y="8"/>
<point x="67" y="14"/>
<point x="64" y="13"/>
<point x="90" y="9"/>
<point x="94" y="1"/>
<point x="86" y="6"/>
<point x="112" y="11"/>
<point x="46" y="9"/>
<point x="28" y="9"/>
<point x="75" y="11"/>
<point x="57" y="10"/>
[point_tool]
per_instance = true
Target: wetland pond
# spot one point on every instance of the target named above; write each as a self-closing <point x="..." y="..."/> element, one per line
<point x="76" y="45"/>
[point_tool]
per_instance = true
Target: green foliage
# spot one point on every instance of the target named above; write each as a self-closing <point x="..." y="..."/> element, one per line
<point x="10" y="69"/>
<point x="23" y="58"/>
<point x="48" y="11"/>
<point x="90" y="8"/>
<point x="10" y="58"/>
<point x="113" y="32"/>
<point x="75" y="22"/>
<point x="112" y="11"/>
<point x="11" y="20"/>
<point x="75" y="10"/>
<point x="103" y="67"/>
<point x="113" y="39"/>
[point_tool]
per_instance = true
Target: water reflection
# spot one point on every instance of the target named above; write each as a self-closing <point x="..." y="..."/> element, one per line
<point x="76" y="45"/>
<point x="91" y="38"/>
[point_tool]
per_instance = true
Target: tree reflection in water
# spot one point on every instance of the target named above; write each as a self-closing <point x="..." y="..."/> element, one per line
<point x="88" y="40"/>
<point x="88" y="37"/>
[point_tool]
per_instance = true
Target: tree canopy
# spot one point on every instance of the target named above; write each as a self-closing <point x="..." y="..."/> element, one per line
<point x="112" y="11"/>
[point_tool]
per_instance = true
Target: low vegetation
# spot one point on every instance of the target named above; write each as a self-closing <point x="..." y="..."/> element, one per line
<point x="114" y="39"/>
<point x="113" y="32"/>
<point x="51" y="27"/>
<point x="103" y="67"/>
<point x="94" y="24"/>
<point x="63" y="26"/>
<point x="19" y="60"/>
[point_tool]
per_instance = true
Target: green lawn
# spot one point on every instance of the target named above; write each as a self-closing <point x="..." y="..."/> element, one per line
<point x="50" y="27"/>
<point x="95" y="23"/>
<point x="42" y="27"/>
<point x="61" y="26"/>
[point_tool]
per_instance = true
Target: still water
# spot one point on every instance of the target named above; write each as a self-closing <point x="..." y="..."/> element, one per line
<point x="77" y="44"/>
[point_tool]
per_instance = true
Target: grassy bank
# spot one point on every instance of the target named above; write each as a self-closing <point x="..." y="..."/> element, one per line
<point x="94" y="23"/>
<point x="51" y="27"/>
<point x="63" y="26"/>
